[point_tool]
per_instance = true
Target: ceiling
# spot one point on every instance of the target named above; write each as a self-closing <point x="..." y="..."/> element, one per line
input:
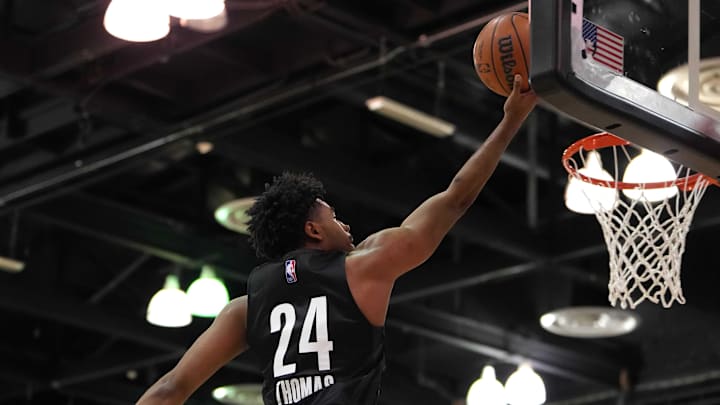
<point x="103" y="193"/>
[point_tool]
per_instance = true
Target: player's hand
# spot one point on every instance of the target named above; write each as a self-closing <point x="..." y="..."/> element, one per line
<point x="519" y="103"/>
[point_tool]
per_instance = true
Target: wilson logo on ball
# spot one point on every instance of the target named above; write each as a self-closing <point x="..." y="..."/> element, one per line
<point x="505" y="46"/>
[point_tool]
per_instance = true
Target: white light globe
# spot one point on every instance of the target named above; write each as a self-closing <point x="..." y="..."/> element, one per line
<point x="137" y="20"/>
<point x="207" y="25"/>
<point x="169" y="307"/>
<point x="486" y="390"/>
<point x="207" y="295"/>
<point x="650" y="167"/>
<point x="196" y="9"/>
<point x="525" y="387"/>
<point x="587" y="198"/>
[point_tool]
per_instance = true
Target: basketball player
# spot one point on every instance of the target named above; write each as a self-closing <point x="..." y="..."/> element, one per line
<point x="314" y="313"/>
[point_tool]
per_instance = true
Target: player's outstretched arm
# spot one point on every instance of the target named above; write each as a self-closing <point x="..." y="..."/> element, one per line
<point x="219" y="344"/>
<point x="392" y="252"/>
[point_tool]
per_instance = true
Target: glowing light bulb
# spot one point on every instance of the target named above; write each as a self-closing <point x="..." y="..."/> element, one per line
<point x="169" y="307"/>
<point x="525" y="387"/>
<point x="207" y="295"/>
<point x="137" y="20"/>
<point x="650" y="167"/>
<point x="486" y="390"/>
<point x="588" y="198"/>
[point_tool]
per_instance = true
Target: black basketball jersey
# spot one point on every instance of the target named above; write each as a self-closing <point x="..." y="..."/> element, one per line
<point x="315" y="345"/>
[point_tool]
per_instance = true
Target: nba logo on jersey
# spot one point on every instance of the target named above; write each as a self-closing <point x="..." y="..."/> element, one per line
<point x="290" y="275"/>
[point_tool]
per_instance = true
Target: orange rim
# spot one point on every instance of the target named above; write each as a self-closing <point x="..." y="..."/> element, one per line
<point x="606" y="140"/>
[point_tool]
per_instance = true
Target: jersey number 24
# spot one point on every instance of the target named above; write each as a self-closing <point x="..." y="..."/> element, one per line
<point x="282" y="319"/>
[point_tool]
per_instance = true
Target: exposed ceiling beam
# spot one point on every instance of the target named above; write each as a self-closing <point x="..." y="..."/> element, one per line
<point x="24" y="167"/>
<point x="88" y="168"/>
<point x="581" y="363"/>
<point x="241" y="110"/>
<point x="109" y="107"/>
<point x="370" y="34"/>
<point x="471" y="143"/>
<point x="412" y="287"/>
<point x="502" y="273"/>
<point x="438" y="276"/>
<point x="119" y="278"/>
<point x="73" y="47"/>
<point x="466" y="71"/>
<point x="151" y="234"/>
<point x="340" y="175"/>
<point x="8" y="87"/>
<point x="424" y="39"/>
<point x="45" y="303"/>
<point x="45" y="117"/>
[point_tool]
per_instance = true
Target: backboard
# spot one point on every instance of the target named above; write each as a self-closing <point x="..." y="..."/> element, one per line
<point x="600" y="62"/>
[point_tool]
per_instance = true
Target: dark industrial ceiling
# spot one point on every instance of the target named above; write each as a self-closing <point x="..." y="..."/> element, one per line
<point x="103" y="193"/>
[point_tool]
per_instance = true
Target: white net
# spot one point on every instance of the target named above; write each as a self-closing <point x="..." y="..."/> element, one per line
<point x="644" y="230"/>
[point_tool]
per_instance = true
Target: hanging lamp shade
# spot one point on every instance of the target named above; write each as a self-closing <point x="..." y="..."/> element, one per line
<point x="650" y="167"/>
<point x="169" y="307"/>
<point x="525" y="387"/>
<point x="207" y="294"/>
<point x="137" y="20"/>
<point x="486" y="390"/>
<point x="587" y="198"/>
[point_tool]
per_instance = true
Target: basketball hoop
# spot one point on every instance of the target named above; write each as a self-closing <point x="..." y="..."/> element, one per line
<point x="645" y="237"/>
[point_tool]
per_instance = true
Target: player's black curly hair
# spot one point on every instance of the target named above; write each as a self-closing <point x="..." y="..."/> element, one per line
<point x="277" y="218"/>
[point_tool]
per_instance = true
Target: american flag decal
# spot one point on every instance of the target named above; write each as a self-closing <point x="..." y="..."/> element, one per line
<point x="604" y="46"/>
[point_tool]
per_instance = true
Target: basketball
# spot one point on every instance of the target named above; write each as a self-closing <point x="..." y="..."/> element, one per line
<point x="502" y="49"/>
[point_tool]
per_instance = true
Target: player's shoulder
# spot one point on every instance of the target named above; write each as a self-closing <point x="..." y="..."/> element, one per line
<point x="371" y="253"/>
<point x="386" y="239"/>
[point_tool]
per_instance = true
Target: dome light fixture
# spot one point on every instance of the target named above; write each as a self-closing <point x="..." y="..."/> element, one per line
<point x="525" y="387"/>
<point x="486" y="390"/>
<point x="650" y="167"/>
<point x="137" y="20"/>
<point x="207" y="295"/>
<point x="169" y="307"/>
<point x="675" y="84"/>
<point x="233" y="214"/>
<point x="589" y="322"/>
<point x="587" y="198"/>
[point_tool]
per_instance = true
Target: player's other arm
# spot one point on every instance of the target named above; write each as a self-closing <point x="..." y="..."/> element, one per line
<point x="394" y="251"/>
<point x="219" y="344"/>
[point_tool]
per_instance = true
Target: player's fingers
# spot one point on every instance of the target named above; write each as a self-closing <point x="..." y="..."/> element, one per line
<point x="516" y="84"/>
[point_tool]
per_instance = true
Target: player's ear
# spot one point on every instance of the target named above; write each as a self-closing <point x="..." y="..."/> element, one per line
<point x="313" y="231"/>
